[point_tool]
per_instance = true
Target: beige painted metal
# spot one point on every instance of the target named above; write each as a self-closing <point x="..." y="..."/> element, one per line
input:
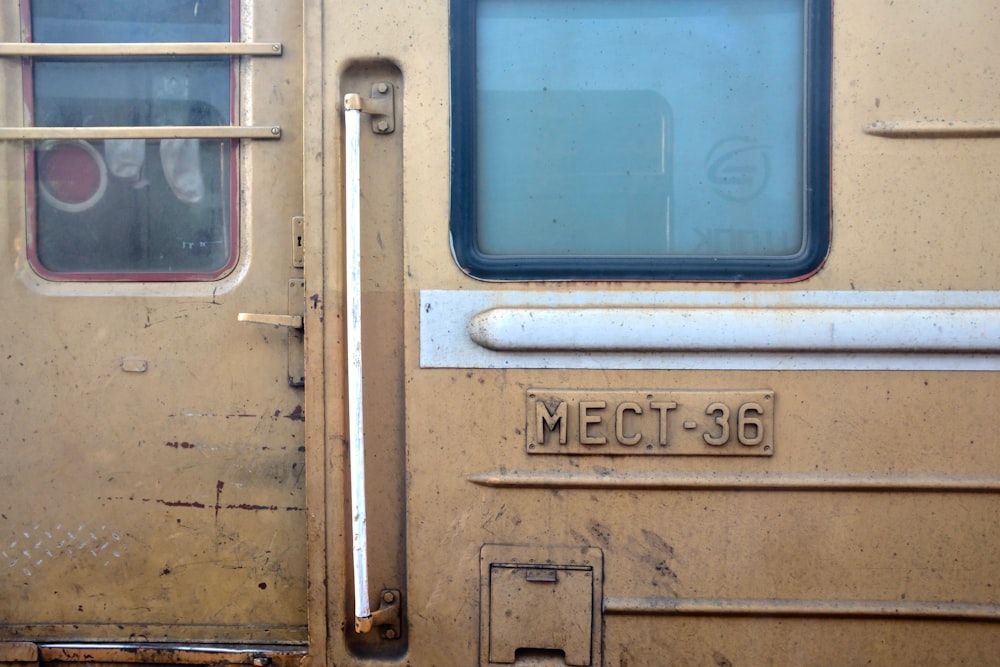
<point x="869" y="536"/>
<point x="153" y="457"/>
<point x="148" y="416"/>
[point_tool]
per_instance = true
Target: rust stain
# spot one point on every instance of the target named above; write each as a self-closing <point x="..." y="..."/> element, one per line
<point x="248" y="507"/>
<point x="181" y="503"/>
<point x="180" y="445"/>
<point x="218" y="495"/>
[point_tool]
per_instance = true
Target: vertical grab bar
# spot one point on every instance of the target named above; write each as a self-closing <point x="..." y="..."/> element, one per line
<point x="381" y="107"/>
<point x="355" y="411"/>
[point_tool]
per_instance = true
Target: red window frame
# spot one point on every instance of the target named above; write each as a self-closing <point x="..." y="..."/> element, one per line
<point x="31" y="191"/>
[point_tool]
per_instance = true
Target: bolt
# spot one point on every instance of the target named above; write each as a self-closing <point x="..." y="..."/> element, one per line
<point x="388" y="597"/>
<point x="382" y="125"/>
<point x="382" y="87"/>
<point x="276" y="47"/>
<point x="275" y="131"/>
<point x="390" y="633"/>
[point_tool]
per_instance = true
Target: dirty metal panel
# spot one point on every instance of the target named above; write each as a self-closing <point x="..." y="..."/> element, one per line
<point x="153" y="451"/>
<point x="528" y="607"/>
<point x="540" y="600"/>
<point x="650" y="422"/>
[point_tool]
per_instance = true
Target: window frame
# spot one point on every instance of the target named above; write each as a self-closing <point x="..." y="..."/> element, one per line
<point x="32" y="194"/>
<point x="816" y="196"/>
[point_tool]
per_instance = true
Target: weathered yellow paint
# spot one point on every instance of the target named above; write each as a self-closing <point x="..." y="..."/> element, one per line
<point x="153" y="467"/>
<point x="836" y="548"/>
<point x="159" y="424"/>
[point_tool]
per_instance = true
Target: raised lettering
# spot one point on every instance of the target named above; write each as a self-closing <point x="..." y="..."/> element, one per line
<point x="586" y="419"/>
<point x="547" y="421"/>
<point x="721" y="412"/>
<point x="663" y="407"/>
<point x="623" y="439"/>
<point x="746" y="425"/>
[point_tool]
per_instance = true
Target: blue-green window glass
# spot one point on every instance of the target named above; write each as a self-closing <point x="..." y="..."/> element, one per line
<point x="674" y="139"/>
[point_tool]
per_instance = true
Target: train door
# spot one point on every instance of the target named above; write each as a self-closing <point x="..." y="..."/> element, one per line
<point x="657" y="332"/>
<point x="152" y="409"/>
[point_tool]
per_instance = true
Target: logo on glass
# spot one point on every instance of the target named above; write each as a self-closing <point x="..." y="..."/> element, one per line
<point x="738" y="168"/>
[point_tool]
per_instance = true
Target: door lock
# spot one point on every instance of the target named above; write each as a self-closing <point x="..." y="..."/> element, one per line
<point x="294" y="323"/>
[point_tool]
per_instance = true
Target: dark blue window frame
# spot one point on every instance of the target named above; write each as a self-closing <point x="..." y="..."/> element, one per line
<point x="729" y="268"/>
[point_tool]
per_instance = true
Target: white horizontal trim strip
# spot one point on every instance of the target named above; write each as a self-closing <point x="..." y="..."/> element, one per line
<point x="711" y="330"/>
<point x="736" y="329"/>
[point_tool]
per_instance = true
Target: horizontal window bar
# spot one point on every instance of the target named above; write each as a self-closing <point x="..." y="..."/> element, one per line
<point x="144" y="132"/>
<point x="142" y="49"/>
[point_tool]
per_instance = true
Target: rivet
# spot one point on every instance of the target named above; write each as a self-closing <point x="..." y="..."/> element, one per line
<point x="388" y="597"/>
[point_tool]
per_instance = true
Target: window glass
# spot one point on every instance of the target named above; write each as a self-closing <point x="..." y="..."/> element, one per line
<point x="132" y="208"/>
<point x="640" y="138"/>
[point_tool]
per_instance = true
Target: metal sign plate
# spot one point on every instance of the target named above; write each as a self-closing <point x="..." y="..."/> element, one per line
<point x="650" y="422"/>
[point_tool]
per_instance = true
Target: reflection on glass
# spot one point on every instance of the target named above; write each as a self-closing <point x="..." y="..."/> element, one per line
<point x="132" y="208"/>
<point x="639" y="127"/>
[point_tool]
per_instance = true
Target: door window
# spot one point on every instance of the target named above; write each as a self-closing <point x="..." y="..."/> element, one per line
<point x="641" y="139"/>
<point x="131" y="208"/>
